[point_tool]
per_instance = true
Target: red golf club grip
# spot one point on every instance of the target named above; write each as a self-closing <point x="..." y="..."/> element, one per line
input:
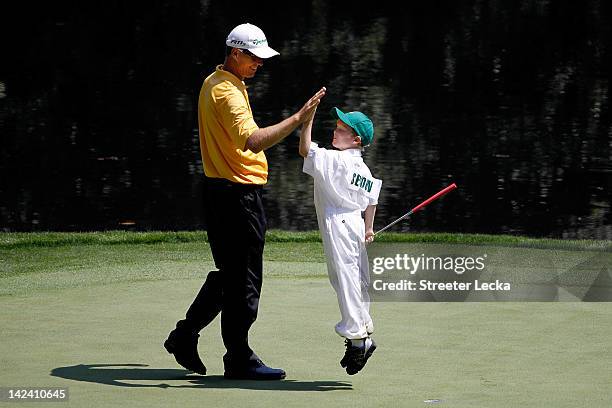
<point x="434" y="197"/>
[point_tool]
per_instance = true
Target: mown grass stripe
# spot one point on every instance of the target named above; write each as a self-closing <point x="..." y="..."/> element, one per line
<point x="10" y="240"/>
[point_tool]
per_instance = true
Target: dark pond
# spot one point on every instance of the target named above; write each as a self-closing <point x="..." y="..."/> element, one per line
<point x="509" y="99"/>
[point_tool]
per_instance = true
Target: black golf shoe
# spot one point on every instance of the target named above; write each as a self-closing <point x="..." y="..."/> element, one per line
<point x="355" y="358"/>
<point x="255" y="370"/>
<point x="185" y="351"/>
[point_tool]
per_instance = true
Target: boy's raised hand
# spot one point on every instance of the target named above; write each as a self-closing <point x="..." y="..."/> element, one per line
<point x="311" y="116"/>
<point x="307" y="111"/>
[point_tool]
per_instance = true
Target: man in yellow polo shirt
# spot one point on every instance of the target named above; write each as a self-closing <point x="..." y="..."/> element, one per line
<point x="232" y="147"/>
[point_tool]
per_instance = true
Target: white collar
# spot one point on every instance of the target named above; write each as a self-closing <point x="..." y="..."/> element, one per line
<point x="351" y="152"/>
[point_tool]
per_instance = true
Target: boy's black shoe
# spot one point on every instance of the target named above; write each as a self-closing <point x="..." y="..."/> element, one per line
<point x="185" y="351"/>
<point x="256" y="370"/>
<point x="355" y="358"/>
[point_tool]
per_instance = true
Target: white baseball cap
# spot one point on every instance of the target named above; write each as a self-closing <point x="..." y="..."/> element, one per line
<point x="250" y="37"/>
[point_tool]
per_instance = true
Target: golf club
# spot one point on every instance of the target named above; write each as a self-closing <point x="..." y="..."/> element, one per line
<point x="420" y="206"/>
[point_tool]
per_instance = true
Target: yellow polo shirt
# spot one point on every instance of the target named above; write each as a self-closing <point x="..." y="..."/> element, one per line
<point x="226" y="121"/>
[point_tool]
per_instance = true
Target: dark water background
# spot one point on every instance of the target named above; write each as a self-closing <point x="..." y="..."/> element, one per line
<point x="509" y="99"/>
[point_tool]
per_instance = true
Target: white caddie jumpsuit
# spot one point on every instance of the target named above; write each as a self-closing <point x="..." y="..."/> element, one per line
<point x="343" y="188"/>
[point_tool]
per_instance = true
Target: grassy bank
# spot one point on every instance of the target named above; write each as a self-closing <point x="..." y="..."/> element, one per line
<point x="89" y="312"/>
<point x="59" y="239"/>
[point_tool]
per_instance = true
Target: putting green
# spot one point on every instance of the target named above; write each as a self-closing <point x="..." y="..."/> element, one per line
<point x="95" y="323"/>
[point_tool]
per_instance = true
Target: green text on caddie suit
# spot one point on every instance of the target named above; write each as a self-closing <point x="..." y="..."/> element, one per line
<point x="362" y="182"/>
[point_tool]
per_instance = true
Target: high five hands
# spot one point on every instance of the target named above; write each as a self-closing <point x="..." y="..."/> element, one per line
<point x="308" y="110"/>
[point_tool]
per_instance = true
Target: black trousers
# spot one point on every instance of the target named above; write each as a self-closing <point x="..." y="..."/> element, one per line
<point x="236" y="233"/>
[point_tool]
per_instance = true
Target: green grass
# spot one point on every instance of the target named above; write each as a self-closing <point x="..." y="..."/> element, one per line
<point x="90" y="312"/>
<point x="10" y="240"/>
<point x="29" y="269"/>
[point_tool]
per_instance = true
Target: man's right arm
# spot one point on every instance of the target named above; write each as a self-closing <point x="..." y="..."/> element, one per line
<point x="264" y="138"/>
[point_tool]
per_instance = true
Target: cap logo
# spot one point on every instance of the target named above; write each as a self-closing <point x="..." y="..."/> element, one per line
<point x="237" y="42"/>
<point x="259" y="42"/>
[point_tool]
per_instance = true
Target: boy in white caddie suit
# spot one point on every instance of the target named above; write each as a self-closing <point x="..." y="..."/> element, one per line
<point x="343" y="189"/>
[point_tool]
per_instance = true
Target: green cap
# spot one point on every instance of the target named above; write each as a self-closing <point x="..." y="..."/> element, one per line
<point x="360" y="123"/>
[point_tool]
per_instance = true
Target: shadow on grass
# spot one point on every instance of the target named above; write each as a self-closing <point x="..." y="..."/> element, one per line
<point x="118" y="374"/>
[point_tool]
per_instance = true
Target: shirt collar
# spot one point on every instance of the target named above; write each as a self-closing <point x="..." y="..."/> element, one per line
<point x="231" y="77"/>
<point x="351" y="152"/>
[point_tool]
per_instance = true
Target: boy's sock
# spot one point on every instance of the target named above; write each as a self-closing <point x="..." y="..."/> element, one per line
<point x="357" y="342"/>
<point x="367" y="342"/>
